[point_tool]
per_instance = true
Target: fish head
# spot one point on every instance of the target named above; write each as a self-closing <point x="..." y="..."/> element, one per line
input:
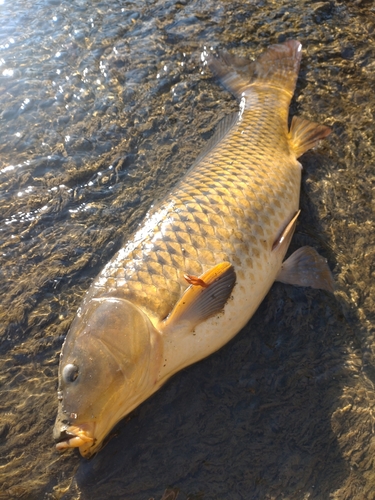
<point x="109" y="365"/>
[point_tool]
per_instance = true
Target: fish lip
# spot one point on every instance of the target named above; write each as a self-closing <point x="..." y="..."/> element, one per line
<point x="76" y="436"/>
<point x="64" y="436"/>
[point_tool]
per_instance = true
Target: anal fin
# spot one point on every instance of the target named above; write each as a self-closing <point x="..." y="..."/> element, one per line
<point x="198" y="302"/>
<point x="304" y="134"/>
<point x="305" y="267"/>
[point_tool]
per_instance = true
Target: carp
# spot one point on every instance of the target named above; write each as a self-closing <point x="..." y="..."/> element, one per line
<point x="202" y="261"/>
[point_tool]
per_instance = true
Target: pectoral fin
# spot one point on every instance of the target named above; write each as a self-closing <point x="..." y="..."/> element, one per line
<point x="206" y="296"/>
<point x="305" y="267"/>
<point x="305" y="135"/>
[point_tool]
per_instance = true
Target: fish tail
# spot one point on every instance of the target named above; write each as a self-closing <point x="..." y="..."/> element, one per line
<point x="277" y="67"/>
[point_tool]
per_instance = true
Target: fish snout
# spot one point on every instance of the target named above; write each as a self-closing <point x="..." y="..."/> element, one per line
<point x="74" y="436"/>
<point x="61" y="425"/>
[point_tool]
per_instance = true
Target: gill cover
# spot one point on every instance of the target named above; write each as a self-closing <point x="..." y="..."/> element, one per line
<point x="105" y="363"/>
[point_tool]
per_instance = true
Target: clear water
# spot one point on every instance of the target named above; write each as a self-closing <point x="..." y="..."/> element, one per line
<point x="103" y="105"/>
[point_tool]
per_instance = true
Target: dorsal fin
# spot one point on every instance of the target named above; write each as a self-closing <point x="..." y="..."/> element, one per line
<point x="223" y="129"/>
<point x="277" y="67"/>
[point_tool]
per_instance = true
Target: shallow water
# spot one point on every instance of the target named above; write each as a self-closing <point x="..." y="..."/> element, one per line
<point x="103" y="105"/>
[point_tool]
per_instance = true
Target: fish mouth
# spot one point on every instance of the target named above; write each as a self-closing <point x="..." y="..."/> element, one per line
<point x="76" y="436"/>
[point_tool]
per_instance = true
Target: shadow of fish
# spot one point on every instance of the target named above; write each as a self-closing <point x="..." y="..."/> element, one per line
<point x="197" y="269"/>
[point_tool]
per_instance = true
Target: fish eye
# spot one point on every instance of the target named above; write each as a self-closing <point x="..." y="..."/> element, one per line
<point x="70" y="373"/>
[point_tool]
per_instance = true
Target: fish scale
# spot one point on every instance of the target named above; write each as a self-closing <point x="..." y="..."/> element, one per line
<point x="229" y="207"/>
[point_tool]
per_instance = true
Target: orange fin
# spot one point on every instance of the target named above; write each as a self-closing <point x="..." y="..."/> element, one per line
<point x="277" y="67"/>
<point x="195" y="281"/>
<point x="305" y="267"/>
<point x="304" y="134"/>
<point x="283" y="240"/>
<point x="199" y="303"/>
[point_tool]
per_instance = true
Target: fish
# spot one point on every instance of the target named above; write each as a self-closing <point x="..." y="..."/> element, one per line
<point x="203" y="259"/>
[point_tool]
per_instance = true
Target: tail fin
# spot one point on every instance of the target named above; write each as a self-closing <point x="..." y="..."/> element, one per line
<point x="277" y="67"/>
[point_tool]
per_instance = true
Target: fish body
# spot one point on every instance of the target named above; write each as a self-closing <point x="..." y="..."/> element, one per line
<point x="201" y="262"/>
